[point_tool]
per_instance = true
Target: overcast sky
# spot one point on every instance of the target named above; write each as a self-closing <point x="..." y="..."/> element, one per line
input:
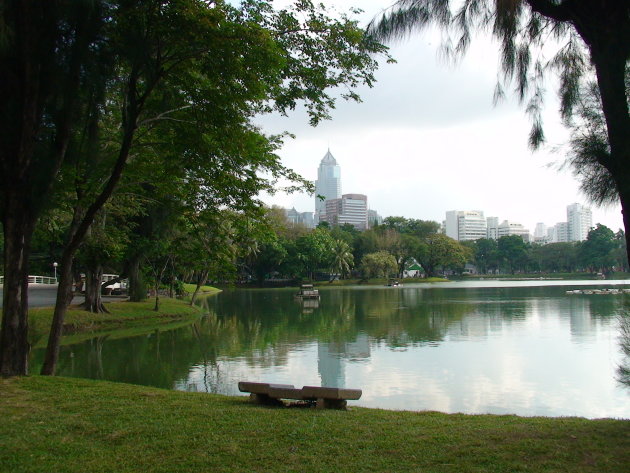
<point x="428" y="139"/>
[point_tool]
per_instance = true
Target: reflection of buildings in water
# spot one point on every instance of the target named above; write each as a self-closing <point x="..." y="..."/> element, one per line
<point x="580" y="320"/>
<point x="332" y="356"/>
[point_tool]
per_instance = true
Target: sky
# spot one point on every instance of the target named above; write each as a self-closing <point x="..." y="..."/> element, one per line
<point x="427" y="139"/>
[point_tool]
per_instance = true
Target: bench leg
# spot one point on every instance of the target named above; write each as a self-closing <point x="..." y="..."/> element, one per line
<point x="265" y="400"/>
<point x="323" y="403"/>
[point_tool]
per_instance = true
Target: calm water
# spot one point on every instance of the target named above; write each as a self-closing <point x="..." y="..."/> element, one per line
<point x="518" y="348"/>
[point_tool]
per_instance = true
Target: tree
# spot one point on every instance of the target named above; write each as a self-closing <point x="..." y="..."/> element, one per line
<point x="513" y="250"/>
<point x="556" y="257"/>
<point x="342" y="260"/>
<point x="45" y="52"/>
<point x="597" y="250"/>
<point x="138" y="64"/>
<point x="438" y="250"/>
<point x="314" y="251"/>
<point x="380" y="264"/>
<point x="486" y="255"/>
<point x="592" y="39"/>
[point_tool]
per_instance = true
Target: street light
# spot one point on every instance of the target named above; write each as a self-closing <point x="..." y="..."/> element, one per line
<point x="55" y="266"/>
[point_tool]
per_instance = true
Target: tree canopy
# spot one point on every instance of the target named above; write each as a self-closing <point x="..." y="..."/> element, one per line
<point x="94" y="90"/>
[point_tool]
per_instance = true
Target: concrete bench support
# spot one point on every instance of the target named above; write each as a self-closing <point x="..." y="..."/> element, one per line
<point x="322" y="397"/>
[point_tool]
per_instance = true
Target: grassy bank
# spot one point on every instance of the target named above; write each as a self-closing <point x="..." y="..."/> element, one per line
<point x="205" y="290"/>
<point x="74" y="425"/>
<point x="125" y="319"/>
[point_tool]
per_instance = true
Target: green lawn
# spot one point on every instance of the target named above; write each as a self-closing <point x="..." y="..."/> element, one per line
<point x="125" y="319"/>
<point x="190" y="288"/>
<point x="74" y="425"/>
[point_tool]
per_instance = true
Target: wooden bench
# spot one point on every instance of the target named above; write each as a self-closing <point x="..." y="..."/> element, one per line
<point x="322" y="397"/>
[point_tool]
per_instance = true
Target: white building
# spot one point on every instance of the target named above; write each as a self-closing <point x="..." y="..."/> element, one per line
<point x="465" y="225"/>
<point x="492" y="230"/>
<point x="579" y="221"/>
<point x="350" y="208"/>
<point x="541" y="234"/>
<point x="559" y="233"/>
<point x="508" y="228"/>
<point x="327" y="185"/>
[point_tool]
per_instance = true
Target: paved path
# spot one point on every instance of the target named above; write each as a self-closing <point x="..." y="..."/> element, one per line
<point x="44" y="295"/>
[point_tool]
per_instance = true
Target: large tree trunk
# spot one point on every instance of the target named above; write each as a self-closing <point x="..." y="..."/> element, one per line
<point x="137" y="287"/>
<point x="624" y="198"/>
<point x="64" y="298"/>
<point x="14" y="346"/>
<point x="201" y="280"/>
<point x="93" y="288"/>
<point x="609" y="54"/>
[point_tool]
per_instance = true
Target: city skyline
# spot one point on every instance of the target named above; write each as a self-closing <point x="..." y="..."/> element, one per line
<point x="422" y="144"/>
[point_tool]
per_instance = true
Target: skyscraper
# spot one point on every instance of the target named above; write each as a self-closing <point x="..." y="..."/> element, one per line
<point x="328" y="184"/>
<point x="580" y="221"/>
<point x="464" y="225"/>
<point x="350" y="208"/>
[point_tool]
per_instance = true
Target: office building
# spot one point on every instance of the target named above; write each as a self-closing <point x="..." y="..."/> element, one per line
<point x="350" y="208"/>
<point x="299" y="218"/>
<point x="465" y="225"/>
<point x="541" y="234"/>
<point x="374" y="219"/>
<point x="327" y="185"/>
<point x="492" y="230"/>
<point x="579" y="221"/>
<point x="507" y="228"/>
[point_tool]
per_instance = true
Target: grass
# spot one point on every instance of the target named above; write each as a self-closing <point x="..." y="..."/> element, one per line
<point x="190" y="288"/>
<point x="125" y="319"/>
<point x="75" y="425"/>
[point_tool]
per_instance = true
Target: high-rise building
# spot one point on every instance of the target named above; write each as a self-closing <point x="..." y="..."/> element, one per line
<point x="299" y="218"/>
<point x="559" y="233"/>
<point x="328" y="184"/>
<point x="374" y="219"/>
<point x="492" y="230"/>
<point x="508" y="228"/>
<point x="350" y="208"/>
<point x="541" y="233"/>
<point x="579" y="221"/>
<point x="465" y="225"/>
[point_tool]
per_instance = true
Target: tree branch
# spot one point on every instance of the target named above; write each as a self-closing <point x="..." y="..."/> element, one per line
<point x="556" y="11"/>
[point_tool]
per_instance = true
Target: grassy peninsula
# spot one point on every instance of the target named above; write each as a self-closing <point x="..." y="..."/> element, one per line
<point x="77" y="425"/>
<point x="125" y="319"/>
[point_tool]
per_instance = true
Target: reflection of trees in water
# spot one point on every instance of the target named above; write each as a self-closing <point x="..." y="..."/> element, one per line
<point x="262" y="328"/>
<point x="623" y="371"/>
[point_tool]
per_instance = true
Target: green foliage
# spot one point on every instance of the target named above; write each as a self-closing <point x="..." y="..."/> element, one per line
<point x="380" y="264"/>
<point x="513" y="251"/>
<point x="597" y="250"/>
<point x="437" y="250"/>
<point x="342" y="259"/>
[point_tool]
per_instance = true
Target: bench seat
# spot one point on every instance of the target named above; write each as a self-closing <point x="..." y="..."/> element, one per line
<point x="271" y="394"/>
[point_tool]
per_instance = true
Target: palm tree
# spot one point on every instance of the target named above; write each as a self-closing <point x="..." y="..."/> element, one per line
<point x="342" y="259"/>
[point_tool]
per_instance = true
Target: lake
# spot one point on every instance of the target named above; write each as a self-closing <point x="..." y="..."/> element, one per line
<point x="501" y="347"/>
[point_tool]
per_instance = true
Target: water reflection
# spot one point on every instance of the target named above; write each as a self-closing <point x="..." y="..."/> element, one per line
<point x="530" y="351"/>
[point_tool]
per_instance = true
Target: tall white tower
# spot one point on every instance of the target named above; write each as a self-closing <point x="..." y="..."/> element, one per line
<point x="328" y="184"/>
<point x="580" y="221"/>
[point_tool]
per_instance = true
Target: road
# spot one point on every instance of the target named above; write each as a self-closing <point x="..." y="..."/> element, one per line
<point x="44" y="295"/>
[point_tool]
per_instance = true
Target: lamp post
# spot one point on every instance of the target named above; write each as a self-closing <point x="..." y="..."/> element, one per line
<point x="55" y="267"/>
